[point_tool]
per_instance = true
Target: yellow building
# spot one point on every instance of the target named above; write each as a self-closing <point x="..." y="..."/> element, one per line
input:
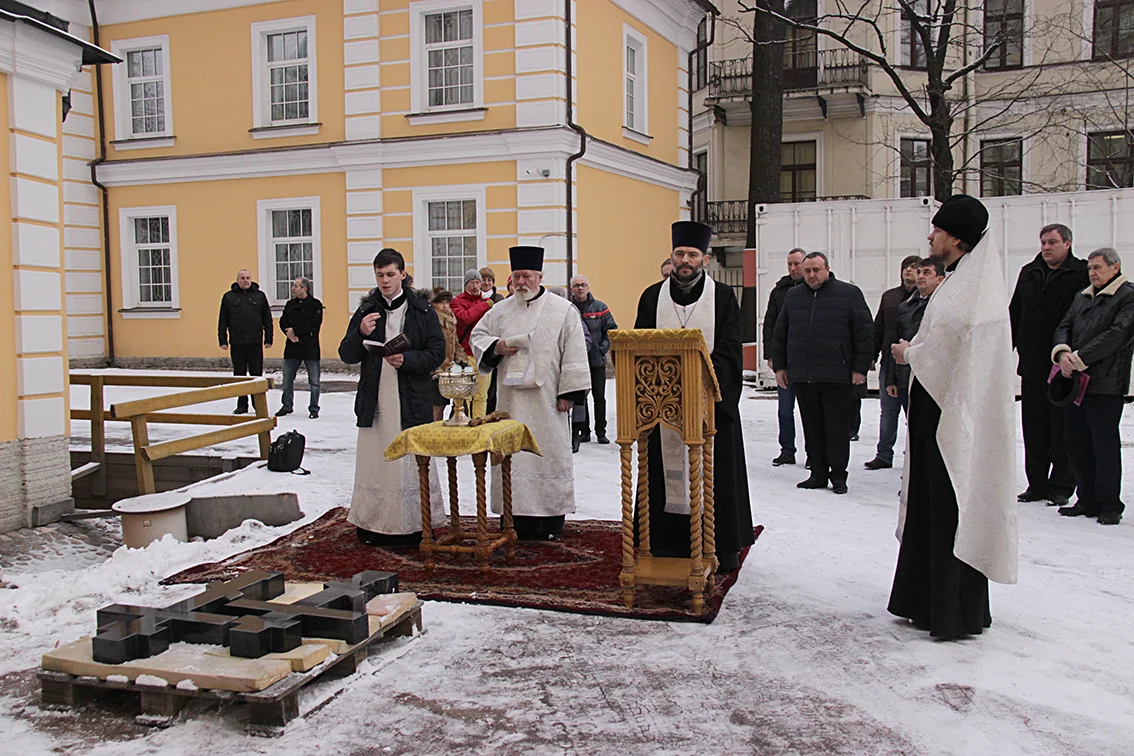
<point x="302" y="136"/>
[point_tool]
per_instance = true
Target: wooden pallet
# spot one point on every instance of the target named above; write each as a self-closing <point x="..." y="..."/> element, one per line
<point x="269" y="710"/>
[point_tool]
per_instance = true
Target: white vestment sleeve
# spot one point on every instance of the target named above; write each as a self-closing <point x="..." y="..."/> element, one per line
<point x="574" y="368"/>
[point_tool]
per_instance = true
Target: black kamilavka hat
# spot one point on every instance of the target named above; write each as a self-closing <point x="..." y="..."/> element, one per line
<point x="692" y="234"/>
<point x="964" y="217"/>
<point x="526" y="258"/>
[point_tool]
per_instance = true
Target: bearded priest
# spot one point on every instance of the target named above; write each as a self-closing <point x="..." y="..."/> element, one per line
<point x="689" y="298"/>
<point x="535" y="341"/>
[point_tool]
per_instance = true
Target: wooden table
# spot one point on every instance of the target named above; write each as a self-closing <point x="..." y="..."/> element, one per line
<point x="501" y="439"/>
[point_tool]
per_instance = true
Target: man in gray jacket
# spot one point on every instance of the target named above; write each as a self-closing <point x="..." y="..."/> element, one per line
<point x="597" y="321"/>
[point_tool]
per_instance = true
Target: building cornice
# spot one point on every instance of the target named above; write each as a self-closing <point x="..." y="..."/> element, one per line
<point x="675" y="20"/>
<point x="34" y="54"/>
<point x="125" y="11"/>
<point x="553" y="142"/>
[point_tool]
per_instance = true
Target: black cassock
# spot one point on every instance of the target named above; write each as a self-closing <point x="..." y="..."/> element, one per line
<point x="932" y="587"/>
<point x="669" y="533"/>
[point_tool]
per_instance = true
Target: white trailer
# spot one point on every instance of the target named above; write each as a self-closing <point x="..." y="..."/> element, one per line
<point x="866" y="240"/>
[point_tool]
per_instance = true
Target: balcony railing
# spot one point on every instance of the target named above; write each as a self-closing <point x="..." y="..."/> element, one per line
<point x="803" y="70"/>
<point x="730" y="217"/>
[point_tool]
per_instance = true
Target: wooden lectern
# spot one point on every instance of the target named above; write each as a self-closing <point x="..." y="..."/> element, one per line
<point x="666" y="377"/>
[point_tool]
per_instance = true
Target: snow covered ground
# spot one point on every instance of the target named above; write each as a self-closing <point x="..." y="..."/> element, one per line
<point x="803" y="657"/>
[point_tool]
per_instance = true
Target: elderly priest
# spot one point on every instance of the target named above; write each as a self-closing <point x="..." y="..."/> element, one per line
<point x="689" y="298"/>
<point x="535" y="341"/>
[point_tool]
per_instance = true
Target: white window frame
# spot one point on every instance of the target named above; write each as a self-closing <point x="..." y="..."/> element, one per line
<point x="419" y="69"/>
<point x="639" y="130"/>
<point x="422" y="252"/>
<point x="124" y="135"/>
<point x="262" y="126"/>
<point x="267" y="278"/>
<point x="132" y="306"/>
<point x="896" y="191"/>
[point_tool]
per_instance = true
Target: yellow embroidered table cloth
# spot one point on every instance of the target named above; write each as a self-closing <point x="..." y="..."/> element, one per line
<point x="500" y="439"/>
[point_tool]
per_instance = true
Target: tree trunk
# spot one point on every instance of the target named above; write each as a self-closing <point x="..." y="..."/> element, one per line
<point x="940" y="125"/>
<point x="767" y="108"/>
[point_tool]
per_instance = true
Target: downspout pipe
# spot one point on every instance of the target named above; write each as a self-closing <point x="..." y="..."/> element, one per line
<point x="101" y="116"/>
<point x="570" y="169"/>
<point x="701" y="189"/>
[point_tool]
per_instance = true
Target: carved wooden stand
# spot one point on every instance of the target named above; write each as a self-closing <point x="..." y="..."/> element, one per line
<point x="665" y="377"/>
<point x="453" y="541"/>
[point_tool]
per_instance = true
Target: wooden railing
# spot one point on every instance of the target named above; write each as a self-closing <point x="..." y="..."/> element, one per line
<point x="141" y="412"/>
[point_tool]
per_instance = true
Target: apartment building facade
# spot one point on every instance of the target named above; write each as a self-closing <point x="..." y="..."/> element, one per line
<point x="1047" y="111"/>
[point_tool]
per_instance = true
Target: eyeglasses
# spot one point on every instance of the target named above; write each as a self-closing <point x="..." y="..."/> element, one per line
<point x="578" y="286"/>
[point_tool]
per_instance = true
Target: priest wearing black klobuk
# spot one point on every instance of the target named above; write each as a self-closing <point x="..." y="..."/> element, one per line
<point x="957" y="520"/>
<point x="690" y="298"/>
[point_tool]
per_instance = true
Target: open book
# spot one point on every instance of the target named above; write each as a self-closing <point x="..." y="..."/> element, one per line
<point x="396" y="345"/>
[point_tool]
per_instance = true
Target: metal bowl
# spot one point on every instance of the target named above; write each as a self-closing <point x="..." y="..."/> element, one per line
<point x="457" y="385"/>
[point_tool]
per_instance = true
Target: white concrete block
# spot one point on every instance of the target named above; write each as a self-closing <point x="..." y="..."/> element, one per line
<point x="555" y="247"/>
<point x="84" y="326"/>
<point x="82" y="237"/>
<point x="92" y="347"/>
<point x="82" y="103"/>
<point x="546" y="32"/>
<point x="36" y="334"/>
<point x="359" y="6"/>
<point x="366" y="101"/>
<point x="365" y="51"/>
<point x="540" y="113"/>
<point x="76" y="169"/>
<point x="33" y="200"/>
<point x="81" y="191"/>
<point x="549" y="194"/>
<point x="37" y="290"/>
<point x="541" y="86"/>
<point x="535" y="59"/>
<point x="83" y="282"/>
<point x="34" y="157"/>
<point x="526" y="9"/>
<point x="79" y="125"/>
<point x="361" y="276"/>
<point x="42" y="418"/>
<point x="555" y="274"/>
<point x="360" y="27"/>
<point x="533" y="169"/>
<point x="82" y="259"/>
<point x="84" y="304"/>
<point x="362" y="252"/>
<point x="34" y="245"/>
<point x="39" y="375"/>
<point x="80" y="147"/>
<point x="366" y="178"/>
<point x="364" y="227"/>
<point x="81" y="215"/>
<point x="31" y="106"/>
<point x="362" y="77"/>
<point x="364" y="127"/>
<point x="359" y="203"/>
<point x="545" y="221"/>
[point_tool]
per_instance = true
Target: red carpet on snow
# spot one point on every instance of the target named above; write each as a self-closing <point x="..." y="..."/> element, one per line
<point x="578" y="574"/>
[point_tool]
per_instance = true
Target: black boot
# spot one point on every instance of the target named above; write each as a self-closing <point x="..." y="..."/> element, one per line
<point x="575" y="440"/>
<point x="785" y="458"/>
<point x="812" y="482"/>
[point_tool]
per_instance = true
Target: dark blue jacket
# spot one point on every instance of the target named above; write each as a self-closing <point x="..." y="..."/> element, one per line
<point x="597" y="320"/>
<point x="823" y="335"/>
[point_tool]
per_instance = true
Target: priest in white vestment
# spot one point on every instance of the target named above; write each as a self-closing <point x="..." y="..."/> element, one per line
<point x="395" y="392"/>
<point x="958" y="516"/>
<point x="535" y="342"/>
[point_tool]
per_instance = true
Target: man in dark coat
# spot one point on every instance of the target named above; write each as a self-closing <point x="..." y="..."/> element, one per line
<point x="597" y="321"/>
<point x="822" y="348"/>
<point x="885" y="336"/>
<point x="682" y="297"/>
<point x="1096" y="337"/>
<point x="244" y="328"/>
<point x="301" y="320"/>
<point x="1044" y="292"/>
<point x="930" y="274"/>
<point x="785" y="396"/>
<point x="394" y="392"/>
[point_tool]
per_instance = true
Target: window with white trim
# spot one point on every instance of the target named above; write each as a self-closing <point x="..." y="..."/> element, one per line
<point x="635" y="71"/>
<point x="148" y="238"/>
<point x="141" y="88"/>
<point x="452" y="235"/>
<point x="446" y="50"/>
<point x="284" y="78"/>
<point x="912" y="47"/>
<point x="289" y="246"/>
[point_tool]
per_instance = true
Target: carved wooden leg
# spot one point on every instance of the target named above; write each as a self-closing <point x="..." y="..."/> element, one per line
<point x="710" y="509"/>
<point x="506" y="523"/>
<point x="627" y="575"/>
<point x="454" y="500"/>
<point x="482" y="549"/>
<point x="644" y="494"/>
<point x="696" y="532"/>
<point x="426" y="513"/>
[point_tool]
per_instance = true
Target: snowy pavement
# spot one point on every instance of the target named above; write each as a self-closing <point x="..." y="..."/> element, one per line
<point x="803" y="658"/>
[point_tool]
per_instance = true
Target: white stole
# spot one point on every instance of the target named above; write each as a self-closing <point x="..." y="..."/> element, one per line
<point x="702" y="315"/>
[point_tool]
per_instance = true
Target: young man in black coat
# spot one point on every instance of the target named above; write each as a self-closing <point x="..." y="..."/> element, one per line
<point x="823" y="346"/>
<point x="301" y="320"/>
<point x="786" y="397"/>
<point x="394" y="392"/>
<point x="1044" y="292"/>
<point x="245" y="323"/>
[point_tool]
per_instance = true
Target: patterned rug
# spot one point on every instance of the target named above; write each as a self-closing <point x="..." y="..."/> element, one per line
<point x="577" y="574"/>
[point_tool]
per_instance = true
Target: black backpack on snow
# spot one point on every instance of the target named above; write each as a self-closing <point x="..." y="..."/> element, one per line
<point x="286" y="453"/>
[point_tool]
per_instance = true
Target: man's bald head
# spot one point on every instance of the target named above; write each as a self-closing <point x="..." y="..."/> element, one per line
<point x="243" y="278"/>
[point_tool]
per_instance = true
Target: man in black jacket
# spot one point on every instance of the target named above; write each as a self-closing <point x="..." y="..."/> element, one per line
<point x="885" y="336"/>
<point x="301" y="320"/>
<point x="395" y="392"/>
<point x="1044" y="292"/>
<point x="785" y="396"/>
<point x="597" y="321"/>
<point x="930" y="274"/>
<point x="1096" y="337"/>
<point x="822" y="346"/>
<point x="245" y="323"/>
